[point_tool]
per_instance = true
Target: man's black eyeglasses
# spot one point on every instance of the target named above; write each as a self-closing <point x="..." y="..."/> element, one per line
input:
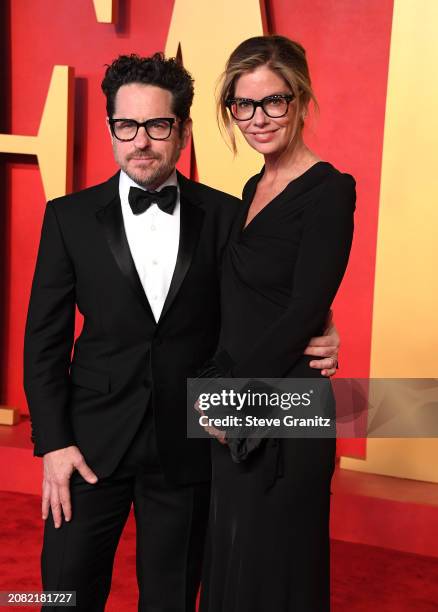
<point x="274" y="106"/>
<point x="127" y="129"/>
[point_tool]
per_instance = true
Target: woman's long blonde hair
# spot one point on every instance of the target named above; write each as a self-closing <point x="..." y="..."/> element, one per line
<point x="283" y="56"/>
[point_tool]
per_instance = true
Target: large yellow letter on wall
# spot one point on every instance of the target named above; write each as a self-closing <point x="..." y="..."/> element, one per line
<point x="405" y="328"/>
<point x="54" y="144"/>
<point x="207" y="33"/>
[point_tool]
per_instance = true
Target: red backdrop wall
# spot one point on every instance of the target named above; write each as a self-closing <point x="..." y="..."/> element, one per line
<point x="347" y="42"/>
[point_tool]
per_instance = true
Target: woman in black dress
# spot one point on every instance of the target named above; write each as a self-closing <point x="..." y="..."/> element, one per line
<point x="268" y="542"/>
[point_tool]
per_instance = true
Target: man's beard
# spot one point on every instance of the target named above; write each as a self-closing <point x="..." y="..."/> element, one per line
<point x="152" y="177"/>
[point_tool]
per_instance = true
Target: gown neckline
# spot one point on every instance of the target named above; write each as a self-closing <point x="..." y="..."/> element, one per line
<point x="296" y="181"/>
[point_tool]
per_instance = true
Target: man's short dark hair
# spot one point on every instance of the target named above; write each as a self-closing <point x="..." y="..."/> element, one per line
<point x="156" y="70"/>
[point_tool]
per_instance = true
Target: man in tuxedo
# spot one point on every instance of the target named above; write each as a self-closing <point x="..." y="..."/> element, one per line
<point x="139" y="255"/>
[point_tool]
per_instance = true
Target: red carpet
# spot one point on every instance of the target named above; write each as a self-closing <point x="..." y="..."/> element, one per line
<point x="365" y="578"/>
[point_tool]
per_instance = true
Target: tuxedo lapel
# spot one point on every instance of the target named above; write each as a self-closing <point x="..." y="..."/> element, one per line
<point x="191" y="218"/>
<point x="111" y="218"/>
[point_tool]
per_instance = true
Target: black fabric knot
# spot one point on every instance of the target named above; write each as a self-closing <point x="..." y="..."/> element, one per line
<point x="141" y="199"/>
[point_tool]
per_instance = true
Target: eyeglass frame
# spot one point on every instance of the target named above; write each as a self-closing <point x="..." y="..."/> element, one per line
<point x="170" y="120"/>
<point x="257" y="103"/>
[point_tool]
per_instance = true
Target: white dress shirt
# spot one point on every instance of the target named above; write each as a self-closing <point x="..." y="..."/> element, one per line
<point x="153" y="239"/>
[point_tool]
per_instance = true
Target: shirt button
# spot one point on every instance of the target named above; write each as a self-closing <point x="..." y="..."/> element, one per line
<point x="155" y="262"/>
<point x="153" y="228"/>
<point x="155" y="298"/>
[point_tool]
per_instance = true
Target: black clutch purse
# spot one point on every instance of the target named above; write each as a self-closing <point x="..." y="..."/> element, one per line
<point x="241" y="440"/>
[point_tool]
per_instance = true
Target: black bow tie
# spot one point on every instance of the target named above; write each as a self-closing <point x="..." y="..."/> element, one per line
<point x="141" y="199"/>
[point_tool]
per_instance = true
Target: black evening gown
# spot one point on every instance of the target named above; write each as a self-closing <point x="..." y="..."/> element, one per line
<point x="268" y="542"/>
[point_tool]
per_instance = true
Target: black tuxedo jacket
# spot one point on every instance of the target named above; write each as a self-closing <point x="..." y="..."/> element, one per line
<point x="123" y="363"/>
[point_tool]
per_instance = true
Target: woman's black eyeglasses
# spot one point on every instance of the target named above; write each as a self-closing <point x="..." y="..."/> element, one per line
<point x="274" y="106"/>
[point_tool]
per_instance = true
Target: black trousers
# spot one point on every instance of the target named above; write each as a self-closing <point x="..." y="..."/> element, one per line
<point x="170" y="520"/>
